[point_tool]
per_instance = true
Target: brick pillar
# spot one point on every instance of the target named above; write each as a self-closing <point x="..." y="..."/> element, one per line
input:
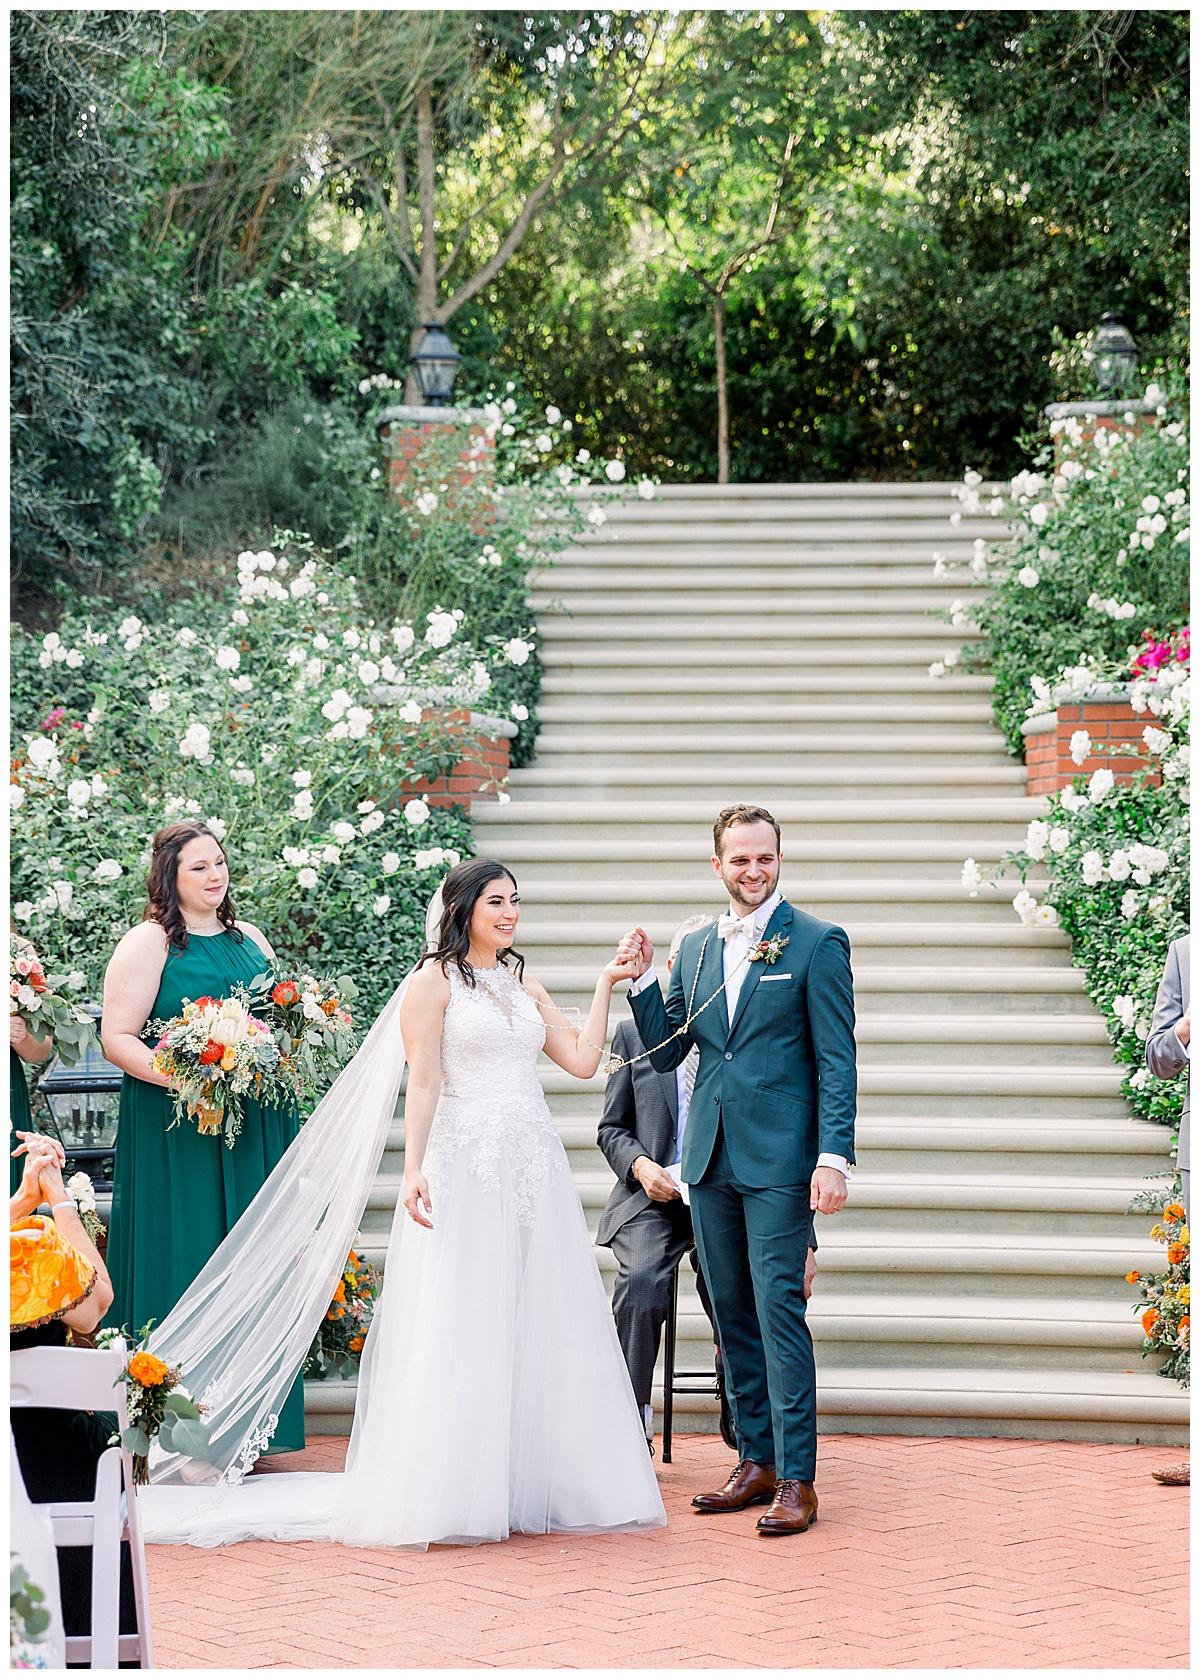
<point x="406" y="429"/>
<point x="482" y="770"/>
<point x="1112" y="724"/>
<point x="1136" y="415"/>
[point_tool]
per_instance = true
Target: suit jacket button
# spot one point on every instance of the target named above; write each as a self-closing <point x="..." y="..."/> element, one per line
<point x="729" y="1055"/>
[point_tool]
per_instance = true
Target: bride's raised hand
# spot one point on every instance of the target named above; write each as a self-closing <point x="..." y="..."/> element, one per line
<point x="416" y="1195"/>
<point x="634" y="955"/>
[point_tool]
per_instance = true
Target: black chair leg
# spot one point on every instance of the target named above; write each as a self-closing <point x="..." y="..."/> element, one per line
<point x="669" y="1368"/>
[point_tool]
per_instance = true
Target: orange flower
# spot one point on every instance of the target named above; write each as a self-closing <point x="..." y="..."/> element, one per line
<point x="356" y="1344"/>
<point x="1174" y="1211"/>
<point x="147" y="1369"/>
<point x="1149" y="1319"/>
<point x="330" y="1007"/>
<point x="1177" y="1253"/>
<point x="1133" y="1276"/>
<point x="285" y="994"/>
<point x="353" y="1259"/>
<point x="339" y="1292"/>
<point x="1185" y="1322"/>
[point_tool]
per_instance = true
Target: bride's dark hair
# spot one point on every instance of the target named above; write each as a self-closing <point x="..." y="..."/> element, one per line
<point x="461" y="891"/>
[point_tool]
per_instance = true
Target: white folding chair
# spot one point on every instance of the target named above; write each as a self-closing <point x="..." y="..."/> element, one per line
<point x="75" y="1379"/>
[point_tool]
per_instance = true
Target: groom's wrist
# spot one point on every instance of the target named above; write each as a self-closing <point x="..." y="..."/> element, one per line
<point x="643" y="981"/>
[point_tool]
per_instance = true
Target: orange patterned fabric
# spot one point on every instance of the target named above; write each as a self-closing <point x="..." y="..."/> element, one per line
<point x="47" y="1276"/>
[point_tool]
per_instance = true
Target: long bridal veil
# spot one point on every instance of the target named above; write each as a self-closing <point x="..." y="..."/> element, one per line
<point x="241" y="1331"/>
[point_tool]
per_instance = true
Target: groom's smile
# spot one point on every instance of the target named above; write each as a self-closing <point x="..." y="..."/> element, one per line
<point x="748" y="864"/>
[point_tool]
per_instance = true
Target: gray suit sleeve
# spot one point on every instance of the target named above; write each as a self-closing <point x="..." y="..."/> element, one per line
<point x="656" y="1020"/>
<point x="617" y="1135"/>
<point x="831" y="1021"/>
<point x="1165" y="1055"/>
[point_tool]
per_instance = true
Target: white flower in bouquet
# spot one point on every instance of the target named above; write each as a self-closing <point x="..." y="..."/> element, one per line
<point x="416" y="812"/>
<point x="79" y="1188"/>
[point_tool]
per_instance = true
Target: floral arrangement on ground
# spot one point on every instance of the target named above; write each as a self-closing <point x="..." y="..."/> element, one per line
<point x="1166" y="1298"/>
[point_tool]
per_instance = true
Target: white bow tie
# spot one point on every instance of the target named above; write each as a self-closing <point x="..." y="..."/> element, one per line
<point x="729" y="925"/>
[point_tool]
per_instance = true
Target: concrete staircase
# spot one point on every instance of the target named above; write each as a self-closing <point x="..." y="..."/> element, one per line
<point x="771" y="643"/>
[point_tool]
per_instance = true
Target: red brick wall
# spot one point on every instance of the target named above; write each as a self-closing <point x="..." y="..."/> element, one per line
<point x="480" y="773"/>
<point x="403" y="441"/>
<point x="1112" y="724"/>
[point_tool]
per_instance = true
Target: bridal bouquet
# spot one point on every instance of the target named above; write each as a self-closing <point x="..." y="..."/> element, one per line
<point x="213" y="1053"/>
<point x="310" y="1025"/>
<point x="159" y="1406"/>
<point x="37" y="999"/>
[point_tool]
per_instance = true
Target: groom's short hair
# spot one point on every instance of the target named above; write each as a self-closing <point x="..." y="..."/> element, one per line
<point x="734" y="815"/>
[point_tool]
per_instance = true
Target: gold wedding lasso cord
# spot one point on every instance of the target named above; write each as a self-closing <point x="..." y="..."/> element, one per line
<point x="615" y="1063"/>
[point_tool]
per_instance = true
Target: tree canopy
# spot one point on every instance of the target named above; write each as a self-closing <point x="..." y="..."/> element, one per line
<point x="754" y="244"/>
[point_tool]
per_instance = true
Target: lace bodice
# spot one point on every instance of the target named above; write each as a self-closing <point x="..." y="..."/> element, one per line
<point x="492" y="1103"/>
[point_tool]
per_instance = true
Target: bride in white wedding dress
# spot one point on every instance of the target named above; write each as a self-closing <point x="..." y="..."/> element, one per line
<point x="493" y="1396"/>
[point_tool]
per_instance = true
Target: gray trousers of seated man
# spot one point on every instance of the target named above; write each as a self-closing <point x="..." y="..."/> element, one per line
<point x="647" y="1249"/>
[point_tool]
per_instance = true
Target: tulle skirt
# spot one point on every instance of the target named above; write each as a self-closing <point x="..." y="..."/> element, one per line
<point x="493" y="1396"/>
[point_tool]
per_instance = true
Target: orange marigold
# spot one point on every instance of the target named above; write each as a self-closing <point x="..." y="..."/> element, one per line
<point x="356" y="1344"/>
<point x="1185" y="1322"/>
<point x="1174" y="1211"/>
<point x="1149" y="1319"/>
<point x="339" y="1292"/>
<point x="1177" y="1253"/>
<point x="147" y="1369"/>
<point x="353" y="1259"/>
<point x="1133" y="1276"/>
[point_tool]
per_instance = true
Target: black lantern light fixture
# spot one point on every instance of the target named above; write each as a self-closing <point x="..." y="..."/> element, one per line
<point x="435" y="365"/>
<point x="1112" y="355"/>
<point x="83" y="1102"/>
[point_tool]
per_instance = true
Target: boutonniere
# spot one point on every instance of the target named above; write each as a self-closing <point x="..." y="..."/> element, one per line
<point x="770" y="950"/>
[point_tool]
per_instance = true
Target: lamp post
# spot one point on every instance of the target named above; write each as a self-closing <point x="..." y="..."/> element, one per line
<point x="1112" y="355"/>
<point x="435" y="365"/>
<point x="82" y="1103"/>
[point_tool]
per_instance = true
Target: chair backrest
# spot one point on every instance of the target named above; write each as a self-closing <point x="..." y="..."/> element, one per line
<point x="69" y="1379"/>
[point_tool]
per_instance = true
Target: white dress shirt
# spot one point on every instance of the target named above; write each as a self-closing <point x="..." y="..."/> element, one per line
<point x="735" y="948"/>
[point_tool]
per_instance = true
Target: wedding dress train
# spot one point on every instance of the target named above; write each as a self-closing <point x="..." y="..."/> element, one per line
<point x="493" y="1395"/>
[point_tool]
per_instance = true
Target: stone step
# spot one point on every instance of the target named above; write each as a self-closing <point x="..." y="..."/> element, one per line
<point x="1022" y="1405"/>
<point x="771" y="682"/>
<point x="691" y="600"/>
<point x="712" y="574"/>
<point x="592" y="900"/>
<point x="824" y="779"/>
<point x="892" y="716"/>
<point x="862" y="753"/>
<point x="725" y="638"/>
<point x="561" y="939"/>
<point x="831" y="659"/>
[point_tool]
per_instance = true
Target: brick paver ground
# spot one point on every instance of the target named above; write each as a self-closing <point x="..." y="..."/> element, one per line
<point x="928" y="1553"/>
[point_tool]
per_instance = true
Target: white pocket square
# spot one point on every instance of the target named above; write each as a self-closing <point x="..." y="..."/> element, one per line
<point x="767" y="978"/>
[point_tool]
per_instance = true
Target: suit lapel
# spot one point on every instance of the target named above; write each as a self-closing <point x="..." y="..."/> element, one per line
<point x="779" y="922"/>
<point x="712" y="975"/>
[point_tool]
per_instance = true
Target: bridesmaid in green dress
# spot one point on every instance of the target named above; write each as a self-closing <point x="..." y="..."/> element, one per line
<point x="177" y="1194"/>
<point x="22" y="1047"/>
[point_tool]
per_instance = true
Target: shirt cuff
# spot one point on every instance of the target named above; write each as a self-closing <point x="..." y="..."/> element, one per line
<point x="648" y="978"/>
<point x="837" y="1162"/>
<point x="1185" y="1049"/>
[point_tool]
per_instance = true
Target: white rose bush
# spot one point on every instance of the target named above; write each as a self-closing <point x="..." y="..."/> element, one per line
<point x="1105" y="526"/>
<point x="282" y="715"/>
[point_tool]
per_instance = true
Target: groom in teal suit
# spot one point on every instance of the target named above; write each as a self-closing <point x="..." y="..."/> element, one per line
<point x="769" y="1142"/>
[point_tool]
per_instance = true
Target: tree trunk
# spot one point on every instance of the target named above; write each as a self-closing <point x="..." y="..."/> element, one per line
<point x="427" y="285"/>
<point x="722" y="392"/>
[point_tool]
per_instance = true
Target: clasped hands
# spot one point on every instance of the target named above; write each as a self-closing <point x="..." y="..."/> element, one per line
<point x="42" y="1177"/>
<point x="635" y="954"/>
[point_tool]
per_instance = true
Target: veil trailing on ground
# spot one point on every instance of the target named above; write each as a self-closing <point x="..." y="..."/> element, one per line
<point x="241" y="1331"/>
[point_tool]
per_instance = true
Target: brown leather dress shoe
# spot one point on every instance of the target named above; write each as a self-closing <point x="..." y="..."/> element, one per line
<point x="750" y="1483"/>
<point x="793" y="1509"/>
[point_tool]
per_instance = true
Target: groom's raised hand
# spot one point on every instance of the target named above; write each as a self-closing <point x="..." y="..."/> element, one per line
<point x="636" y="950"/>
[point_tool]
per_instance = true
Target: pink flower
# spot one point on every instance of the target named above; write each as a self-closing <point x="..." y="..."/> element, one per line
<point x="55" y="717"/>
<point x="13" y="988"/>
<point x="23" y="965"/>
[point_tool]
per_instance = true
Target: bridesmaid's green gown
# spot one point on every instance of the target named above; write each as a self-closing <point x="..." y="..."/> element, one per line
<point x="20" y="1116"/>
<point x="176" y="1194"/>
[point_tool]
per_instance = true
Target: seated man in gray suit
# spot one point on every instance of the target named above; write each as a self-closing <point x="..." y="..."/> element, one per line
<point x="646" y="1223"/>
